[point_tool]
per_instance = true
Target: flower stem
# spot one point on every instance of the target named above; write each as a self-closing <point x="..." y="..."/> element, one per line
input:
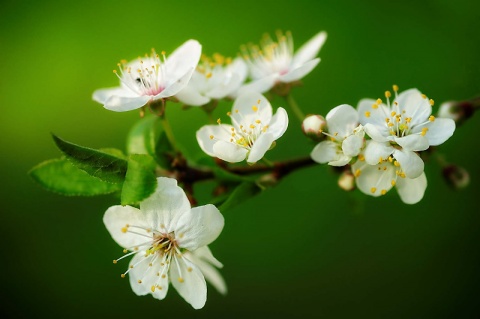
<point x="268" y="162"/>
<point x="294" y="106"/>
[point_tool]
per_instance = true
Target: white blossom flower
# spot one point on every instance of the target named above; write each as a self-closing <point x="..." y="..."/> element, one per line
<point x="402" y="128"/>
<point x="252" y="133"/>
<point x="313" y="126"/>
<point x="377" y="180"/>
<point x="168" y="239"/>
<point x="346" y="137"/>
<point x="151" y="78"/>
<point x="273" y="62"/>
<point x="214" y="79"/>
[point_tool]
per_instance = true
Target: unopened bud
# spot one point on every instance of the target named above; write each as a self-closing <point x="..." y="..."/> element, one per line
<point x="346" y="181"/>
<point x="313" y="126"/>
<point x="457" y="177"/>
<point x="457" y="111"/>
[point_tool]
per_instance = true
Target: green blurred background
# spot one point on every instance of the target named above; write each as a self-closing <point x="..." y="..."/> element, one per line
<point x="303" y="249"/>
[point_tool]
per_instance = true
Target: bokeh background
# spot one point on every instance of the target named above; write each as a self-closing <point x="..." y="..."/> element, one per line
<point x="303" y="249"/>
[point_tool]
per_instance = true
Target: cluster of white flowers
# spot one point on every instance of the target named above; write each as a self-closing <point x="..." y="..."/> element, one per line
<point x="398" y="131"/>
<point x="378" y="142"/>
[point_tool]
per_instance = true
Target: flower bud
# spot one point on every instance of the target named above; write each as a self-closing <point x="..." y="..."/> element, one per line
<point x="313" y="125"/>
<point x="457" y="111"/>
<point x="346" y="181"/>
<point x="457" y="177"/>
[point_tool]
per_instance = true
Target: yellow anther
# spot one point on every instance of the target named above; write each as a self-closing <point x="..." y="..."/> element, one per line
<point x="358" y="172"/>
<point x="373" y="190"/>
<point x="390" y="124"/>
<point x="393" y="113"/>
<point x="367" y="114"/>
<point x="124" y="229"/>
<point x="122" y="275"/>
<point x="114" y="71"/>
<point x="375" y="106"/>
<point x="388" y="94"/>
<point x="402" y="175"/>
<point x="390" y="159"/>
<point x="379" y="101"/>
<point x="211" y="137"/>
<point x="431" y="118"/>
<point x="114" y="261"/>
<point x="233" y="134"/>
<point x="258" y="101"/>
<point x="361" y="157"/>
<point x="236" y="111"/>
<point x="383" y="191"/>
<point x="164" y="276"/>
<point x="152" y="289"/>
<point x="150" y="265"/>
<point x="424" y="96"/>
<point x="125" y="251"/>
<point x="180" y="280"/>
<point x="189" y="269"/>
<point x="163" y="52"/>
<point x="432" y="102"/>
<point x="408" y="119"/>
<point x="257" y="121"/>
<point x="387" y="120"/>
<point x="380" y="159"/>
<point x="254" y="108"/>
<point x="219" y="121"/>
<point x="393" y="182"/>
<point x="396" y="163"/>
<point x="229" y="113"/>
<point x="139" y="281"/>
<point x="395" y="87"/>
<point x="208" y="75"/>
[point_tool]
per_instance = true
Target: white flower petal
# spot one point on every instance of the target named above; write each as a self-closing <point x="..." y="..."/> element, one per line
<point x="189" y="282"/>
<point x="147" y="273"/>
<point x="102" y="95"/>
<point x="189" y="96"/>
<point x="260" y="147"/>
<point x="122" y="104"/>
<point x="117" y="218"/>
<point x="211" y="274"/>
<point x="219" y="132"/>
<point x="310" y="49"/>
<point x="374" y="180"/>
<point x="439" y="130"/>
<point x="411" y="190"/>
<point x="279" y="123"/>
<point x="229" y="152"/>
<point x="352" y="145"/>
<point x="411" y="164"/>
<point x="342" y="120"/>
<point x="199" y="227"/>
<point x="224" y="88"/>
<point x="376" y="134"/>
<point x="299" y="72"/>
<point x="414" y="105"/>
<point x="341" y="160"/>
<point x="324" y="152"/>
<point x="376" y="152"/>
<point x="182" y="60"/>
<point x="164" y="207"/>
<point x="261" y="85"/>
<point x="246" y="109"/>
<point x="176" y="86"/>
<point x="412" y="142"/>
<point x="205" y="254"/>
<point x="375" y="116"/>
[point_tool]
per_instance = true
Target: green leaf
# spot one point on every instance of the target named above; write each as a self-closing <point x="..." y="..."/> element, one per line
<point x="140" y="180"/>
<point x="141" y="138"/>
<point x="62" y="177"/>
<point x="147" y="137"/>
<point x="102" y="165"/>
<point x="242" y="192"/>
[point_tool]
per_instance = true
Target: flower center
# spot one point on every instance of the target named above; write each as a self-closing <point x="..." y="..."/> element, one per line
<point x="397" y="121"/>
<point x="270" y="56"/>
<point x="144" y="76"/>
